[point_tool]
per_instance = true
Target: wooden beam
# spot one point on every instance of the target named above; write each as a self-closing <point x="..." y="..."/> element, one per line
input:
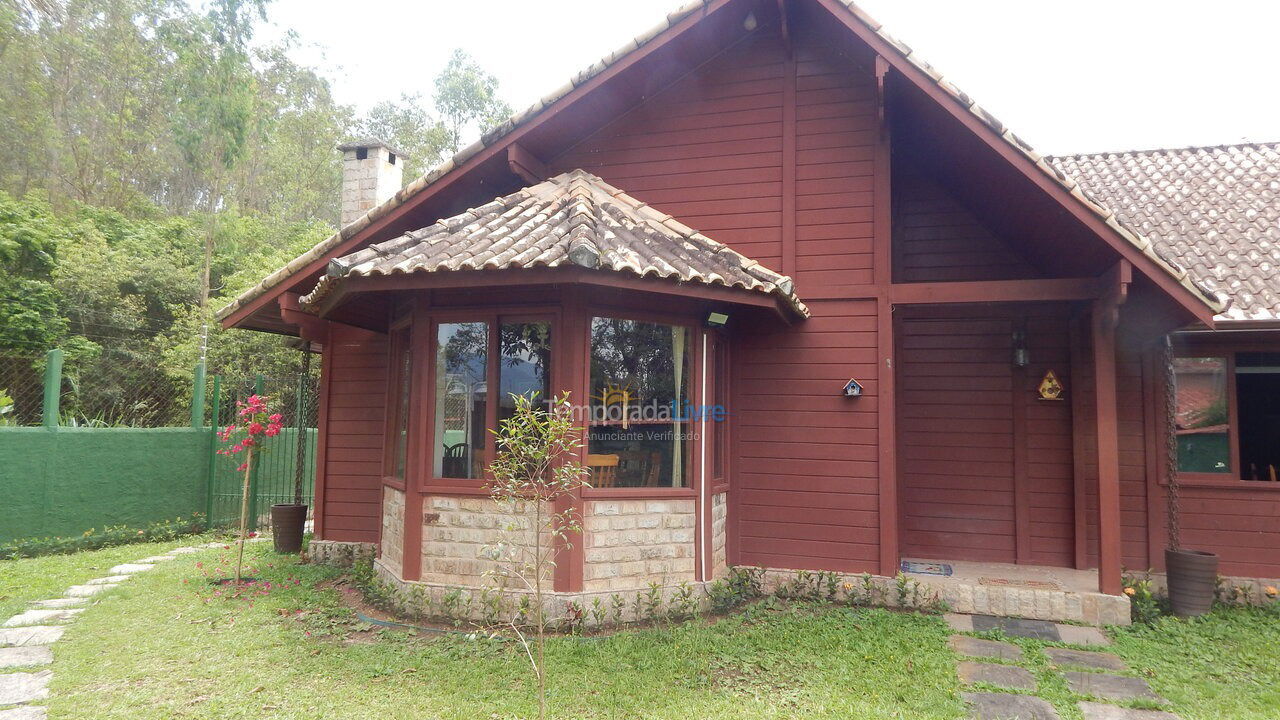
<point x="1055" y="289"/>
<point x="311" y="327"/>
<point x="1104" y="319"/>
<point x="887" y="438"/>
<point x="525" y="165"/>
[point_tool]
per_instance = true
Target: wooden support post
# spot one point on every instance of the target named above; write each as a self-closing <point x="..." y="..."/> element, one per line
<point x="197" y="396"/>
<point x="1105" y="318"/>
<point x="572" y="374"/>
<point x="418" y="456"/>
<point x="886" y="368"/>
<point x="52" y="387"/>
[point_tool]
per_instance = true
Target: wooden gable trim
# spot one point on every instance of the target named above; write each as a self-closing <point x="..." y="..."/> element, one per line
<point x="1027" y="169"/>
<point x="500" y="146"/>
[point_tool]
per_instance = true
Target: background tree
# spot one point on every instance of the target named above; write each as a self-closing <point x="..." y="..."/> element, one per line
<point x="467" y="98"/>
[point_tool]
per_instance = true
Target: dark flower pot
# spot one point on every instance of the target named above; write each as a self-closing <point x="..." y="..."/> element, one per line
<point x="1193" y="577"/>
<point x="287" y="524"/>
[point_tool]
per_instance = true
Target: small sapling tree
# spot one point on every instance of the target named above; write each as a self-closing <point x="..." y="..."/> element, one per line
<point x="535" y="474"/>
<point x="254" y="423"/>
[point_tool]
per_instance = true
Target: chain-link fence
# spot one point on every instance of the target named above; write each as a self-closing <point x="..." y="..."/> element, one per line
<point x="21" y="388"/>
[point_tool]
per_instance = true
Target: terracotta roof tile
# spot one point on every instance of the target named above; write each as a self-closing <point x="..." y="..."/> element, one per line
<point x="1215" y="210"/>
<point x="573" y="219"/>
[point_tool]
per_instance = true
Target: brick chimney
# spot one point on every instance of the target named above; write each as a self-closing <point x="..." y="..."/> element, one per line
<point x="372" y="171"/>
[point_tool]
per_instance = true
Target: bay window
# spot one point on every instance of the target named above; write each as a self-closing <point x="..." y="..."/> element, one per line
<point x="479" y="365"/>
<point x="639" y="427"/>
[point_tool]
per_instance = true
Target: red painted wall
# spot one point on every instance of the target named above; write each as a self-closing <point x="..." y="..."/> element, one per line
<point x="353" y="434"/>
<point x="774" y="157"/>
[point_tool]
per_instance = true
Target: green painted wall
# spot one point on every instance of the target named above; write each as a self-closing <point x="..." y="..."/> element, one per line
<point x="65" y="481"/>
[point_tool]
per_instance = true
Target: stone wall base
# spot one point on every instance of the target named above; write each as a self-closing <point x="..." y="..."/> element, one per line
<point x="977" y="599"/>
<point x="1236" y="590"/>
<point x="340" y="554"/>
<point x="487" y="604"/>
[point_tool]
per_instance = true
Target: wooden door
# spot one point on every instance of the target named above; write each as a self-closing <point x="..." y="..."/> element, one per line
<point x="985" y="464"/>
<point x="955" y="397"/>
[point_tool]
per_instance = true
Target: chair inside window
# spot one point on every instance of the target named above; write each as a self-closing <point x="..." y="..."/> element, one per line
<point x="454" y="460"/>
<point x="603" y="469"/>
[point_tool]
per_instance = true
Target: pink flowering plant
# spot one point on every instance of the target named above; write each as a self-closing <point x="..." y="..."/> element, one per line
<point x="254" y="423"/>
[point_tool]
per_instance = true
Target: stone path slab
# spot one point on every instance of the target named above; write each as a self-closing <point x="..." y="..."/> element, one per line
<point x="1101" y="711"/>
<point x="1077" y="635"/>
<point x="84" y="591"/>
<point x="21" y="687"/>
<point x="1017" y="627"/>
<point x="61" y="602"/>
<point x="1005" y="676"/>
<point x="24" y="712"/>
<point x="156" y="559"/>
<point x="977" y="647"/>
<point x="16" y="657"/>
<point x="129" y="568"/>
<point x="184" y="551"/>
<point x="959" y="622"/>
<point x="113" y="580"/>
<point x="38" y="617"/>
<point x="1004" y="706"/>
<point x="1063" y="657"/>
<point x="33" y="635"/>
<point x="1110" y="687"/>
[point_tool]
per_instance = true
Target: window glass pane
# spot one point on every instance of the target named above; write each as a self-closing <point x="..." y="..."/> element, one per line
<point x="462" y="351"/>
<point x="525" y="365"/>
<point x="1202" y="414"/>
<point x="1258" y="415"/>
<point x="640" y="434"/>
<point x="404" y="374"/>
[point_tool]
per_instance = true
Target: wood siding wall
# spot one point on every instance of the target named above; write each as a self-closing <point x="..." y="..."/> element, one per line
<point x="773" y="155"/>
<point x="986" y="465"/>
<point x="354" y="435"/>
<point x="937" y="239"/>
<point x="805" y="491"/>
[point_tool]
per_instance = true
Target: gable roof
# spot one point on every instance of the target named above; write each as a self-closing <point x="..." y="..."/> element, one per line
<point x="573" y="219"/>
<point x="856" y="18"/>
<point x="1216" y="210"/>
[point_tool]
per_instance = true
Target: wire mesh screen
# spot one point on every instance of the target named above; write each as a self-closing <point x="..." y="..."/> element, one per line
<point x="284" y="470"/>
<point x="21" y="388"/>
<point x="123" y="387"/>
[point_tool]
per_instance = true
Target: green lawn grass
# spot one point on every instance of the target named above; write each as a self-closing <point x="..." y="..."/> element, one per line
<point x="1223" y="666"/>
<point x="168" y="644"/>
<point x="22" y="581"/>
<point x="162" y="646"/>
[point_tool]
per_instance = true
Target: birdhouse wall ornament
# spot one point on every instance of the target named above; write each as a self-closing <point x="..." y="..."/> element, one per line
<point x="1050" y="387"/>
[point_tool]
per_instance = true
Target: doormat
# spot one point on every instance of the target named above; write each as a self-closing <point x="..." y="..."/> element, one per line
<point x="926" y="568"/>
<point x="1033" y="584"/>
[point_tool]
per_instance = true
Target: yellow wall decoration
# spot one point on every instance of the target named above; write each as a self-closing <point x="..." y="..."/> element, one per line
<point x="1050" y="388"/>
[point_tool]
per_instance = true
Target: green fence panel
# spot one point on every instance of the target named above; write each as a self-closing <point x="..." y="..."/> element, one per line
<point x="285" y="460"/>
<point x="64" y="482"/>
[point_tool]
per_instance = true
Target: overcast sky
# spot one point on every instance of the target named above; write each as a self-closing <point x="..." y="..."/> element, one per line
<point x="1077" y="76"/>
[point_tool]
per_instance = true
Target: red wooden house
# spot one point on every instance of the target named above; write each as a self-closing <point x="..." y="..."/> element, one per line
<point x="751" y="206"/>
